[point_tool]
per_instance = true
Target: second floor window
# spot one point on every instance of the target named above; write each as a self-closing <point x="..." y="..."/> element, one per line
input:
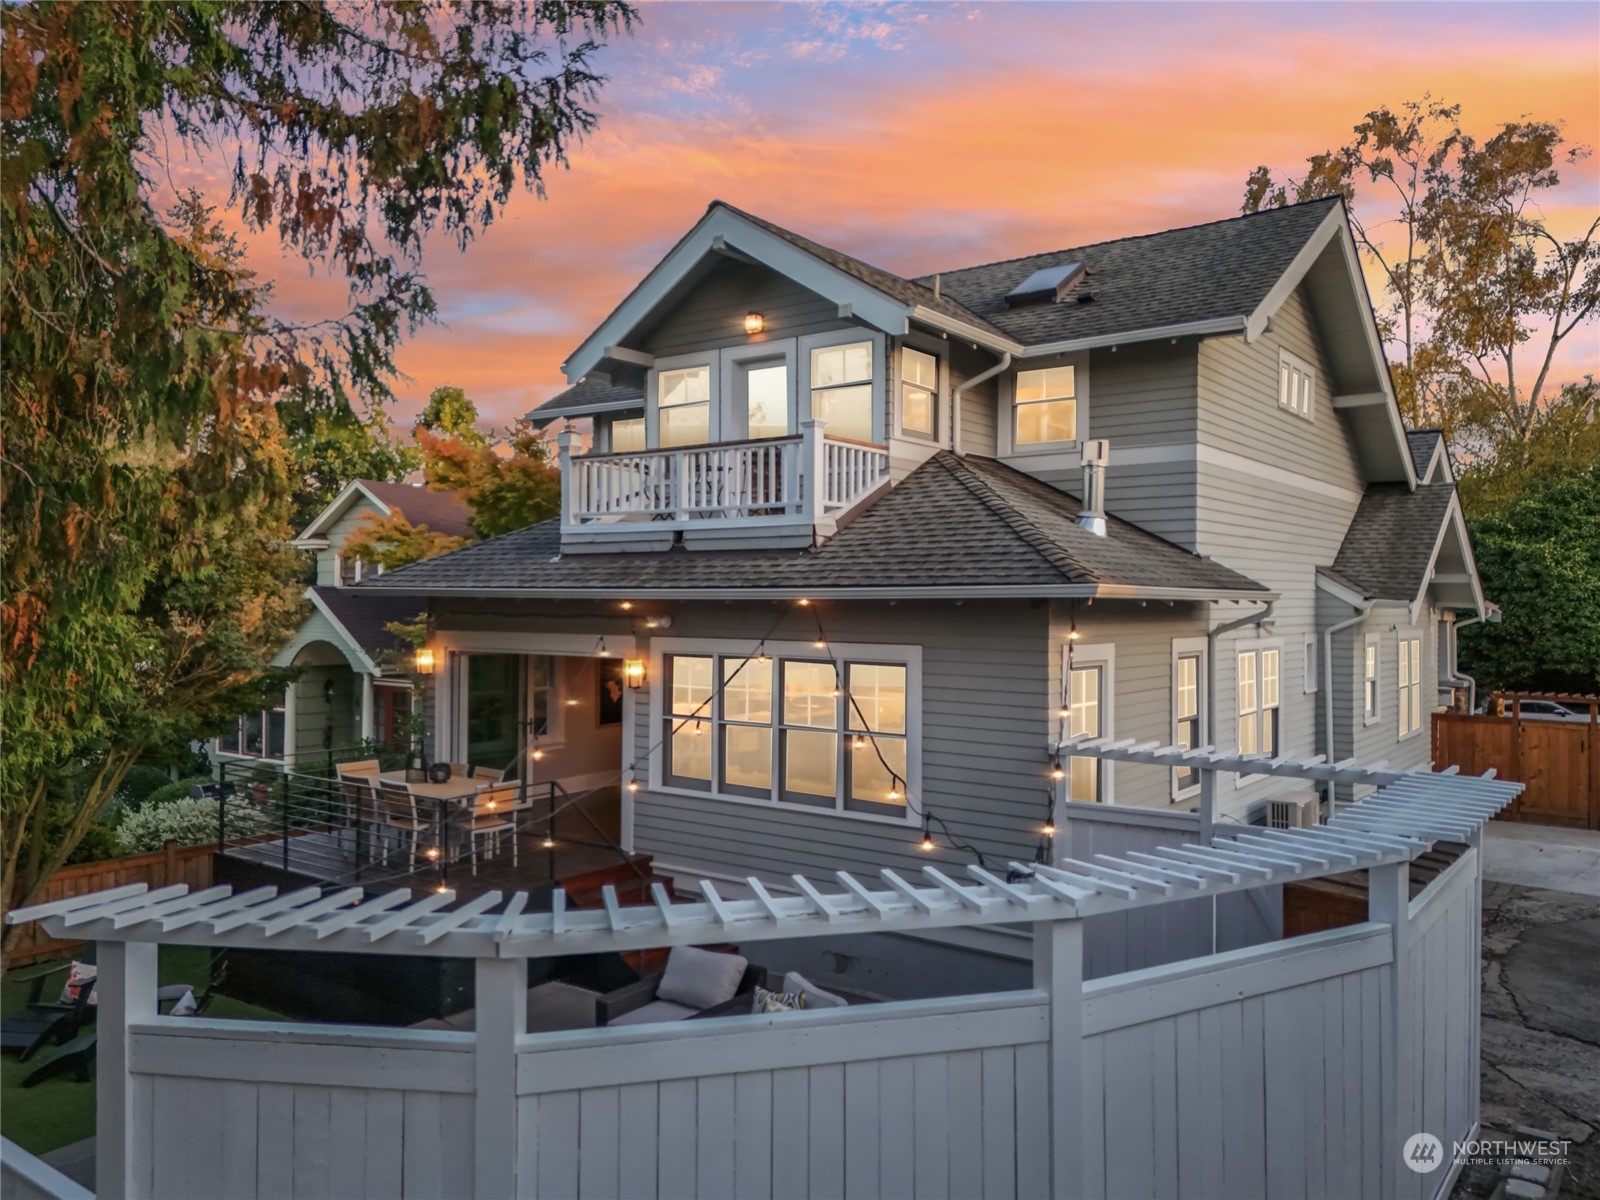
<point x="1410" y="685"/>
<point x="841" y="390"/>
<point x="1258" y="702"/>
<point x="1047" y="406"/>
<point x="685" y="403"/>
<point x="349" y="570"/>
<point x="1084" y="703"/>
<point x="1186" y="716"/>
<point x="627" y="437"/>
<point x="1296" y="384"/>
<point x="1369" y="682"/>
<point x="919" y="389"/>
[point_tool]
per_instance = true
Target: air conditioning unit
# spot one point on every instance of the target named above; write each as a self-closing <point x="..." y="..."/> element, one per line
<point x="1294" y="812"/>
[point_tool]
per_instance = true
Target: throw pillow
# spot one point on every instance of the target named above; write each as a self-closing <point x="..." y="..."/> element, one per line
<point x="79" y="976"/>
<point x="815" y="996"/>
<point x="186" y="1005"/>
<point x="772" y="1002"/>
<point x="700" y="978"/>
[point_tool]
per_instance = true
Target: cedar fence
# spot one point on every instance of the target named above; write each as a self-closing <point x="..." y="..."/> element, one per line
<point x="171" y="864"/>
<point x="1558" y="760"/>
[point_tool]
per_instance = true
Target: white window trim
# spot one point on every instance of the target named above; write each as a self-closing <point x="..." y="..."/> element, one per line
<point x="288" y="711"/>
<point x="734" y="357"/>
<point x="841" y="652"/>
<point x="1104" y="656"/>
<point x="1006" y="434"/>
<point x="338" y="570"/>
<point x="940" y="353"/>
<point x="1309" y="372"/>
<point x="1241" y="780"/>
<point x="1180" y="647"/>
<point x="880" y="374"/>
<point x="1374" y="641"/>
<point x="1415" y="685"/>
<point x="1309" y="665"/>
<point x="711" y="359"/>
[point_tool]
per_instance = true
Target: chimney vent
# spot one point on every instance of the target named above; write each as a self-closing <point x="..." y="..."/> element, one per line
<point x="1092" y="516"/>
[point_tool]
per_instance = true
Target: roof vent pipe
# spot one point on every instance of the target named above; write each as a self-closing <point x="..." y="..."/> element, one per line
<point x="1092" y="516"/>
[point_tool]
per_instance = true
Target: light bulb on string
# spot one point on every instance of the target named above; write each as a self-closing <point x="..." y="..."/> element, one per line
<point x="633" y="784"/>
<point x="1049" y="829"/>
<point x="860" y="741"/>
<point x="549" y="842"/>
<point x="894" y="788"/>
<point x="1056" y="772"/>
<point x="600" y="650"/>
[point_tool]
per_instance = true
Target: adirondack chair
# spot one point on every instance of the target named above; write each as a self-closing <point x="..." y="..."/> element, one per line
<point x="42" y="1021"/>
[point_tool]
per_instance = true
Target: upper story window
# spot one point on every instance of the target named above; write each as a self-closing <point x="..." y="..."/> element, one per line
<point x="1186" y="715"/>
<point x="1410" y="678"/>
<point x="1085" y="696"/>
<point x="1369" y="680"/>
<point x="1296" y="384"/>
<point x="766" y="400"/>
<point x="919" y="390"/>
<point x="349" y="570"/>
<point x="685" y="401"/>
<point x="1258" y="702"/>
<point x="841" y="390"/>
<point x="627" y="437"/>
<point x="1046" y="406"/>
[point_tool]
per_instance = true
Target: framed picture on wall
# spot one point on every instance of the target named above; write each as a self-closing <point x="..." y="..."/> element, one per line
<point x="608" y="704"/>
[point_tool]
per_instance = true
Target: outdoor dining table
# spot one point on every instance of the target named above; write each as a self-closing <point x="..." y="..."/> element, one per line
<point x="435" y="801"/>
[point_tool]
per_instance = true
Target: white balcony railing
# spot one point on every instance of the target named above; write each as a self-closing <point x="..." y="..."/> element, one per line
<point x="791" y="479"/>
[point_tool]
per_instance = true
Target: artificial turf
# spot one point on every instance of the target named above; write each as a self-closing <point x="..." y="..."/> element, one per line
<point x="60" y="1111"/>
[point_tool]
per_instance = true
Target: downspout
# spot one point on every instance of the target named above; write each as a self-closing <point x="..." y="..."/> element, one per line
<point x="1327" y="684"/>
<point x="1456" y="674"/>
<point x="1211" y="661"/>
<point x="955" y="398"/>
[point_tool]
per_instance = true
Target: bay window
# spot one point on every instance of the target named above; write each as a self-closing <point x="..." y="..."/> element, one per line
<point x="789" y="729"/>
<point x="1046" y="406"/>
<point x="685" y="404"/>
<point x="841" y="390"/>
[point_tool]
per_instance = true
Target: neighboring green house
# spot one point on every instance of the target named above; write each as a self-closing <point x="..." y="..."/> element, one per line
<point x="351" y="688"/>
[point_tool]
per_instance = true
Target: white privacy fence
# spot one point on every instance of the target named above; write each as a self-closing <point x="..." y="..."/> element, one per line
<point x="1293" y="1068"/>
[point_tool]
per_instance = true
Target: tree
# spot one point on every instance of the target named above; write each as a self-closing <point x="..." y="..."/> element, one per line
<point x="146" y="474"/>
<point x="450" y="412"/>
<point x="509" y="484"/>
<point x="393" y="541"/>
<point x="1473" y="273"/>
<point x="1539" y="556"/>
<point x="332" y="446"/>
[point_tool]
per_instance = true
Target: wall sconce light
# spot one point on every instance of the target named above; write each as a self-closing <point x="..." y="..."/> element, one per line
<point x="327" y="691"/>
<point x="424" y="661"/>
<point x="754" y="322"/>
<point x="633" y="669"/>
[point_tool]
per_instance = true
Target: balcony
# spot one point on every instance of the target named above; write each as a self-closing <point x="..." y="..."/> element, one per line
<point x="775" y="492"/>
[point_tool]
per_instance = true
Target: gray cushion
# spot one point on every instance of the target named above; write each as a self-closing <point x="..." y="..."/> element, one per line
<point x="700" y="978"/>
<point x="815" y="996"/>
<point x="656" y="1010"/>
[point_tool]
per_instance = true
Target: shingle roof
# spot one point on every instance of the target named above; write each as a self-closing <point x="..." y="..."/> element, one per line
<point x="365" y="615"/>
<point x="442" y="512"/>
<point x="1421" y="443"/>
<point x="1175" y="277"/>
<point x="994" y="527"/>
<point x="1389" y="546"/>
<point x="588" y="396"/>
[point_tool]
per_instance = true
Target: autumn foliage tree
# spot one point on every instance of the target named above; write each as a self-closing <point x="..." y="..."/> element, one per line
<point x="147" y="472"/>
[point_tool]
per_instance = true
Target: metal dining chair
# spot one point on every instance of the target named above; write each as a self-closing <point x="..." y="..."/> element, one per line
<point x="400" y="814"/>
<point x="494" y="814"/>
<point x="355" y="791"/>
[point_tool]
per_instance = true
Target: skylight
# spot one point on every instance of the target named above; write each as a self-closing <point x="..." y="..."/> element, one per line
<point x="1045" y="284"/>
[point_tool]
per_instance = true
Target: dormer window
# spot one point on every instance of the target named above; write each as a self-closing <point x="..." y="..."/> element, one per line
<point x="1296" y="384"/>
<point x="841" y="390"/>
<point x="1047" y="406"/>
<point x="685" y="399"/>
<point x="919" y="390"/>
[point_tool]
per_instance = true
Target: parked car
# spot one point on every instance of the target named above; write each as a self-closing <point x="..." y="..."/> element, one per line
<point x="1549" y="710"/>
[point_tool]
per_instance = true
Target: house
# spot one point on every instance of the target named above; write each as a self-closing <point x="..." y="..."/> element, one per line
<point x="872" y="548"/>
<point x="354" y="684"/>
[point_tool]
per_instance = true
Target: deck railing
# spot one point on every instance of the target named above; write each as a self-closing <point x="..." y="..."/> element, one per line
<point x="806" y="477"/>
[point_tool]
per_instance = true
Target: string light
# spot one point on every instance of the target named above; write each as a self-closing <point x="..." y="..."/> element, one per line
<point x="803" y="603"/>
<point x="433" y="853"/>
<point x="627" y="605"/>
<point x="860" y="741"/>
<point x="761" y="653"/>
<point x="549" y="842"/>
<point x="1065" y="714"/>
<point x="820" y="644"/>
<point x="600" y="650"/>
<point x="894" y="791"/>
<point x="537" y="754"/>
<point x="633" y="784"/>
<point x="1049" y="829"/>
<point x="1056" y="772"/>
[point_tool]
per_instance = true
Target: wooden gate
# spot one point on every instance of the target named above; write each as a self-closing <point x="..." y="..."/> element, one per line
<point x="1558" y="760"/>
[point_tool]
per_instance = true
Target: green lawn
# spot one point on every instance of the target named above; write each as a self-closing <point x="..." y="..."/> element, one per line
<point x="60" y="1111"/>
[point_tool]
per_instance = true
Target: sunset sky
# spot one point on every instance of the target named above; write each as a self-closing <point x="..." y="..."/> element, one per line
<point x="931" y="136"/>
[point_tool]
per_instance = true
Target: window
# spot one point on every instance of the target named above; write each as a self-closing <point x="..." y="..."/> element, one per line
<point x="349" y="570"/>
<point x="919" y="391"/>
<point x="1369" y="681"/>
<point x="391" y="716"/>
<point x="1308" y="652"/>
<point x="257" y="734"/>
<point x="1046" y="406"/>
<point x="1084" y="703"/>
<point x="1296" y="384"/>
<point x="685" y="402"/>
<point x="1186" y="716"/>
<point x="766" y="396"/>
<point x="841" y="390"/>
<point x="1410" y="686"/>
<point x="627" y="437"/>
<point x="783" y="729"/>
<point x="1259" y="698"/>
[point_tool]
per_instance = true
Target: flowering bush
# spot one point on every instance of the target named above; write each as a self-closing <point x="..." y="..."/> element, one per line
<point x="187" y="821"/>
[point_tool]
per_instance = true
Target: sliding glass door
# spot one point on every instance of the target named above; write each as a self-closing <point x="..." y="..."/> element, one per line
<point x="506" y="705"/>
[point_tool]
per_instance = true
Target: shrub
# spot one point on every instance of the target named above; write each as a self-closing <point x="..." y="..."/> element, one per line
<point x="179" y="790"/>
<point x="100" y="840"/>
<point x="187" y="821"/>
<point x="138" y="785"/>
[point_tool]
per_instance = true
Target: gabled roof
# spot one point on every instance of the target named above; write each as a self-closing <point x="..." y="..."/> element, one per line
<point x="587" y="397"/>
<point x="359" y="622"/>
<point x="1427" y="448"/>
<point x="1394" y="541"/>
<point x="999" y="532"/>
<point x="442" y="512"/>
<point x="1219" y="271"/>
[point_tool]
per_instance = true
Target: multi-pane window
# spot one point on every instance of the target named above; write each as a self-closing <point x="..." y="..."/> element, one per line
<point x="1410" y="685"/>
<point x="1084" y="703"/>
<point x="1259" y="696"/>
<point x="841" y="390"/>
<point x="627" y="437"/>
<point x="1369" y="681"/>
<point x="1047" y="406"/>
<point x="685" y="405"/>
<point x="919" y="387"/>
<point x="349" y="570"/>
<point x="391" y="716"/>
<point x="258" y="734"/>
<point x="1296" y="384"/>
<point x="791" y="730"/>
<point x="1186" y="715"/>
